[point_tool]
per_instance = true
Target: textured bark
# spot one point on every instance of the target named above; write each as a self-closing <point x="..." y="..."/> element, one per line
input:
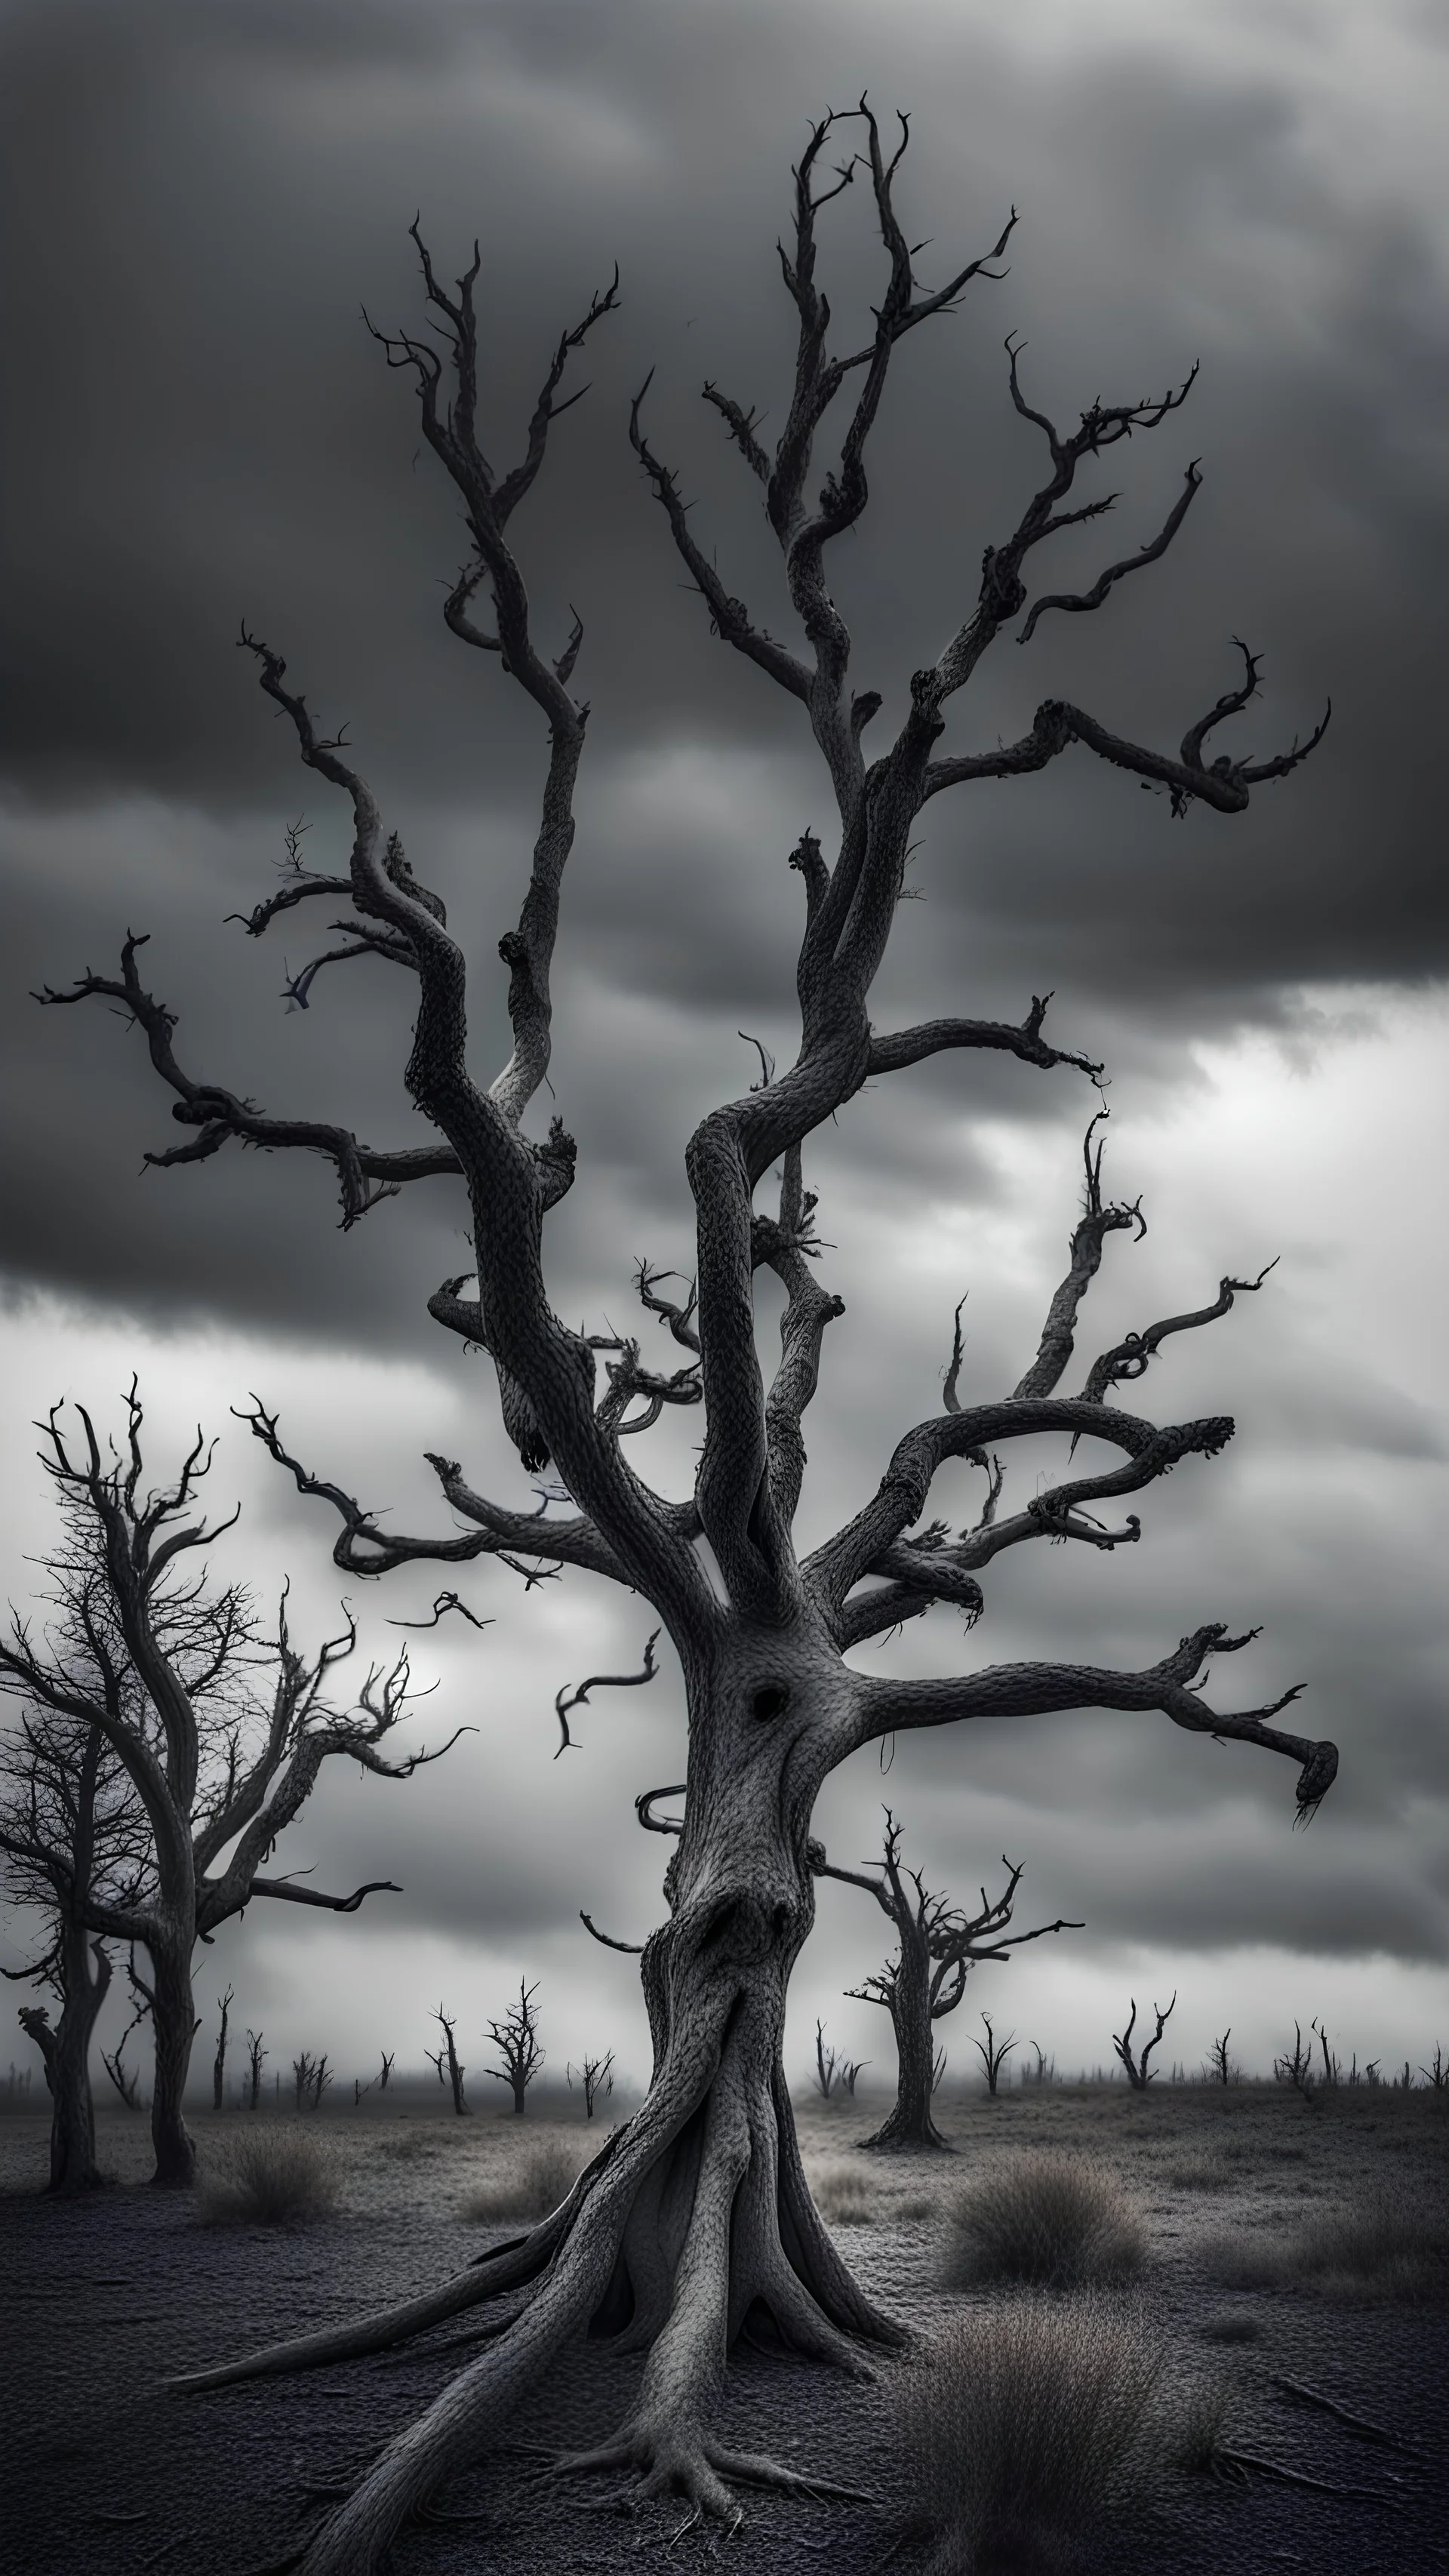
<point x="174" y="2026"/>
<point x="909" y="2123"/>
<point x="65" y="2051"/>
<point x="694" y="2223"/>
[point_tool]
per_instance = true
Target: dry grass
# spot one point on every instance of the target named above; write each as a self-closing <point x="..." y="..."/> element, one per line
<point x="274" y="2176"/>
<point x="1394" y="2251"/>
<point x="1054" y="2222"/>
<point x="845" y="2197"/>
<point x="1023" y="2427"/>
<point x="532" y="2175"/>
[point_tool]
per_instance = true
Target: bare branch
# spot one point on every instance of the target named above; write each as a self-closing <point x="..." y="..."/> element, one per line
<point x="566" y="1701"/>
<point x="1035" y="1690"/>
<point x="284" y="1890"/>
<point x="934" y="1037"/>
<point x="634" y="1948"/>
<point x="1129" y="1359"/>
<point x="1093" y="598"/>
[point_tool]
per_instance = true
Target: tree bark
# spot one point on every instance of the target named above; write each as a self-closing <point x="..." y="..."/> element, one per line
<point x="910" y="2124"/>
<point x="174" y="2026"/>
<point x="65" y="2051"/>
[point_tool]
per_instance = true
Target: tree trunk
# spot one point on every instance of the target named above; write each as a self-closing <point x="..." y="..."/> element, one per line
<point x="66" y="2054"/>
<point x="910" y="2125"/>
<point x="694" y="2224"/>
<point x="174" y="2025"/>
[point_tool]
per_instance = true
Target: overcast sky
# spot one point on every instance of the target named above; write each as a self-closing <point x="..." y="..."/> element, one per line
<point x="200" y="198"/>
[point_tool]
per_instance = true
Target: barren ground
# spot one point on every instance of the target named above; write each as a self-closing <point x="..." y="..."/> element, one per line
<point x="109" y="2476"/>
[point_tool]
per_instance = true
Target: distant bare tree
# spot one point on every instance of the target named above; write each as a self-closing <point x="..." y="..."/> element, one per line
<point x="595" y="2076"/>
<point x="321" y="2078"/>
<point x="516" y="2039"/>
<point x="994" y="2054"/>
<point x="218" y="2063"/>
<point x="938" y="1946"/>
<point x="826" y="2064"/>
<point x="256" y="2058"/>
<point x="1136" y="2069"/>
<point x="219" y="1730"/>
<point x="448" y="2054"/>
<point x="764" y="1634"/>
<point x="303" y="2069"/>
<point x="71" y="1837"/>
<point x="387" y="2063"/>
<point x="1220" y="2067"/>
<point x="1295" y="2066"/>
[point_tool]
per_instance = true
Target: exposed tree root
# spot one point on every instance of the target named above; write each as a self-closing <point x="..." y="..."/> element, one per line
<point x="694" y="2221"/>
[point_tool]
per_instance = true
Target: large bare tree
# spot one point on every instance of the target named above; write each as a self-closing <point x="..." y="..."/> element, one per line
<point x="220" y="1731"/>
<point x="937" y="1946"/>
<point x="763" y="1637"/>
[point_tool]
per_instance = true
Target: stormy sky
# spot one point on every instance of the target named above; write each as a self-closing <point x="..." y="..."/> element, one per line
<point x="201" y="197"/>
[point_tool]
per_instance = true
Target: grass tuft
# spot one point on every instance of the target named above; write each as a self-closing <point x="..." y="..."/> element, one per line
<point x="533" y="2176"/>
<point x="844" y="2197"/>
<point x="1055" y="2222"/>
<point x="1395" y="2252"/>
<point x="272" y="2177"/>
<point x="1023" y="2427"/>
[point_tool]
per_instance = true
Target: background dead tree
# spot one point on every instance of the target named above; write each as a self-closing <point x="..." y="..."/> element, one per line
<point x="994" y="2053"/>
<point x="321" y="2079"/>
<point x="1136" y="2069"/>
<point x="71" y="1837"/>
<point x="256" y="2059"/>
<point x="447" y="2056"/>
<point x="826" y="2065"/>
<point x="595" y="2076"/>
<point x="938" y="1945"/>
<point x="1332" y="2064"/>
<point x="1436" y="2073"/>
<point x="1295" y="2066"/>
<point x="1221" y="2068"/>
<point x="218" y="2063"/>
<point x="516" y="2039"/>
<point x="386" y="2070"/>
<point x="303" y="2070"/>
<point x="219" y="1729"/>
<point x="763" y="1635"/>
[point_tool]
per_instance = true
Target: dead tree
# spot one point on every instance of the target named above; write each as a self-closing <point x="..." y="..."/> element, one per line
<point x="386" y="2070"/>
<point x="516" y="2039"/>
<point x="321" y="2078"/>
<point x="70" y="1838"/>
<point x="595" y="2076"/>
<point x="1295" y="2067"/>
<point x="219" y="1729"/>
<point x="938" y="1945"/>
<point x="827" y="2065"/>
<point x="1136" y="2069"/>
<point x="256" y="2058"/>
<point x="994" y="2054"/>
<point x="1220" y="2068"/>
<point x="218" y="2063"/>
<point x="446" y="2055"/>
<point x="762" y="1633"/>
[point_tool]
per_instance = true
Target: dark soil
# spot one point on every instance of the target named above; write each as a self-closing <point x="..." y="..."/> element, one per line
<point x="110" y="2476"/>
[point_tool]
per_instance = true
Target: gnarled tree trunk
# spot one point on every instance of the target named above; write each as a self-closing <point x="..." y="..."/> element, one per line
<point x="173" y="2027"/>
<point x="65" y="2051"/>
<point x="910" y="2123"/>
